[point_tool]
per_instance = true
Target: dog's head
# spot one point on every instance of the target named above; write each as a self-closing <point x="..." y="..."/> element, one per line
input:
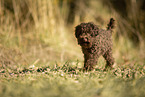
<point x="85" y="34"/>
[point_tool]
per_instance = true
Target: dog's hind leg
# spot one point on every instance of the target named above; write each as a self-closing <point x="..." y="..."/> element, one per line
<point x="109" y="58"/>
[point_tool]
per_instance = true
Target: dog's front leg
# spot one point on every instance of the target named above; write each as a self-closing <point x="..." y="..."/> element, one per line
<point x="89" y="62"/>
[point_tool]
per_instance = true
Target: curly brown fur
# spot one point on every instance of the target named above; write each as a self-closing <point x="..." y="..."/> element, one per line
<point x="94" y="43"/>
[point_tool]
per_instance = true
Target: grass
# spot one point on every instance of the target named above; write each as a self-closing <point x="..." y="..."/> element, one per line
<point x="39" y="55"/>
<point x="69" y="80"/>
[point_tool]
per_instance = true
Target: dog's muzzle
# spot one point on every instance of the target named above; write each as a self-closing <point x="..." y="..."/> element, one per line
<point x="84" y="42"/>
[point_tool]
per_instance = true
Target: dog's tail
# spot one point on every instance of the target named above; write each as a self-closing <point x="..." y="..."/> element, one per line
<point x="111" y="24"/>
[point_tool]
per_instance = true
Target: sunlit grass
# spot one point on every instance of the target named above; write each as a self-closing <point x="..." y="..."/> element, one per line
<point x="68" y="80"/>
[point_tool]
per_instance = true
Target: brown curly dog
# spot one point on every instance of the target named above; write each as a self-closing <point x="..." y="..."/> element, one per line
<point x="94" y="43"/>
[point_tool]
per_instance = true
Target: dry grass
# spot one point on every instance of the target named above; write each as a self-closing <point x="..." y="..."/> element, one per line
<point x="42" y="35"/>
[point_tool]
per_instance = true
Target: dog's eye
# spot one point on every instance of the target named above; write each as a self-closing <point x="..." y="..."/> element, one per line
<point x="92" y="34"/>
<point x="96" y="34"/>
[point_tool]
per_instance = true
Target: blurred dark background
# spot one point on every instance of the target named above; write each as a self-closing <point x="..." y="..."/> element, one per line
<point x="130" y="16"/>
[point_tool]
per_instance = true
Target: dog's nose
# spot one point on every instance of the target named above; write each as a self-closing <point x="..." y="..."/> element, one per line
<point x="85" y="39"/>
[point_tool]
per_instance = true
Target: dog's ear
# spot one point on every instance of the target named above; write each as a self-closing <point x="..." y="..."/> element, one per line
<point x="78" y="30"/>
<point x="94" y="29"/>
